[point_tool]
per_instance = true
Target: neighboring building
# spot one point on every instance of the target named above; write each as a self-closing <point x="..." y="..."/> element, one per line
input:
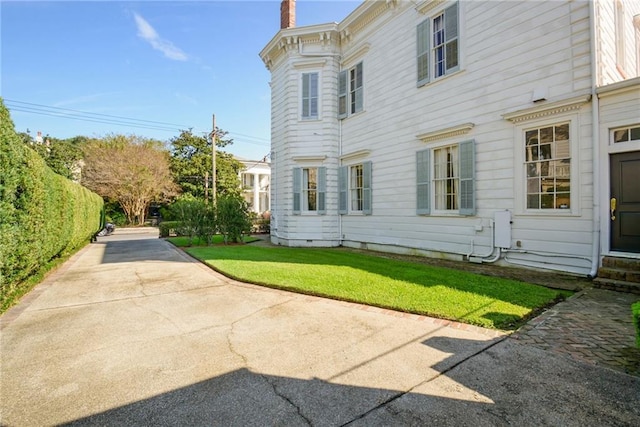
<point x="488" y="131"/>
<point x="255" y="178"/>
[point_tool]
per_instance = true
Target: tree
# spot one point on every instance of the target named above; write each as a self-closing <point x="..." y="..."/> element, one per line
<point x="129" y="170"/>
<point x="191" y="164"/>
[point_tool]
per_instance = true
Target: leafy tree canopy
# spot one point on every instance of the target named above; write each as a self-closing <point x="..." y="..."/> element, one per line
<point x="191" y="164"/>
<point x="130" y="170"/>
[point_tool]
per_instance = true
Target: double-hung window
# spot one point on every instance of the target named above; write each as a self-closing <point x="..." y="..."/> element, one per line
<point x="309" y="190"/>
<point x="350" y="91"/>
<point x="310" y="95"/>
<point x="445" y="179"/>
<point x="547" y="161"/>
<point x="438" y="46"/>
<point x="354" y="183"/>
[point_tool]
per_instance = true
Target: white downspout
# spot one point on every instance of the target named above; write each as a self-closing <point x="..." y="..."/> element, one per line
<point x="595" y="112"/>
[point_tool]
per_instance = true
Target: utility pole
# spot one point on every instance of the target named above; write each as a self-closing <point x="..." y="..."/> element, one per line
<point x="214" y="136"/>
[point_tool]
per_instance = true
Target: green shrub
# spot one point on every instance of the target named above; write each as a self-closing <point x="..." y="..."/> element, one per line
<point x="233" y="218"/>
<point x="43" y="215"/>
<point x="167" y="228"/>
<point x="635" y="310"/>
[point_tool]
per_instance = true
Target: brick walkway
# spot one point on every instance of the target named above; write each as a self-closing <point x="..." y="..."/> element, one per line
<point x="593" y="326"/>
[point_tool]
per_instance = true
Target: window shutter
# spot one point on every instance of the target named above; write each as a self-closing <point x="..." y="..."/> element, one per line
<point x="467" y="178"/>
<point x="343" y="191"/>
<point x="342" y="94"/>
<point x="423" y="182"/>
<point x="422" y="43"/>
<point x="358" y="93"/>
<point x="451" y="37"/>
<point x="366" y="188"/>
<point x="297" y="190"/>
<point x="322" y="190"/>
<point x="313" y="95"/>
<point x="305" y="94"/>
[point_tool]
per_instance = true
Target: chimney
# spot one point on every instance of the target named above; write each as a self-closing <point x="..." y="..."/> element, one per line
<point x="287" y="14"/>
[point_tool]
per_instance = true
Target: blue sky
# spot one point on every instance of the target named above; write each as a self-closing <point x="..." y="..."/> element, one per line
<point x="165" y="65"/>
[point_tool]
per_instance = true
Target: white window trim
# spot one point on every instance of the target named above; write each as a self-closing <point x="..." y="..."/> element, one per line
<point x="304" y="202"/>
<point x="442" y="212"/>
<point x="520" y="178"/>
<point x="300" y="87"/>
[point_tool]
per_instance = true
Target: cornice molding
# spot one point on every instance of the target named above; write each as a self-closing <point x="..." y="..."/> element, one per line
<point x="619" y="87"/>
<point x="318" y="158"/>
<point x="355" y="155"/>
<point x="428" y="5"/>
<point x="369" y="11"/>
<point x="449" y="132"/>
<point x="309" y="63"/>
<point x="553" y="108"/>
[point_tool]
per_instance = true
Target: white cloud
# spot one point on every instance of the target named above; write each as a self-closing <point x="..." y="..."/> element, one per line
<point x="146" y="32"/>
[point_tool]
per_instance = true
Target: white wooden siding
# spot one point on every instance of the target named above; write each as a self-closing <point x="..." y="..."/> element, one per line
<point x="508" y="49"/>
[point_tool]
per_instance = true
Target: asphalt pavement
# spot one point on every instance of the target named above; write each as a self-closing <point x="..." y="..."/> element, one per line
<point x="132" y="331"/>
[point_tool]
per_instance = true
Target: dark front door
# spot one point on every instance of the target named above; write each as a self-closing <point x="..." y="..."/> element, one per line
<point x="625" y="202"/>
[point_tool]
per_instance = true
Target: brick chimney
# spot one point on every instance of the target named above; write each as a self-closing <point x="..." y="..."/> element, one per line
<point x="287" y="14"/>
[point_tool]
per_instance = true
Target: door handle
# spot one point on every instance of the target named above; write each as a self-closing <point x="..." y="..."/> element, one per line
<point x="613" y="204"/>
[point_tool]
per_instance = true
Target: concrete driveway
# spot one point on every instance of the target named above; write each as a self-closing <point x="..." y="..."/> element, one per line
<point x="131" y="331"/>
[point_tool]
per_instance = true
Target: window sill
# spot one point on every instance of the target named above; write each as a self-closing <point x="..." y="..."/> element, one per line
<point x="438" y="79"/>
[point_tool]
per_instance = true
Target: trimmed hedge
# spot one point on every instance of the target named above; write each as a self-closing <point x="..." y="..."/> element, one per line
<point x="635" y="310"/>
<point x="42" y="214"/>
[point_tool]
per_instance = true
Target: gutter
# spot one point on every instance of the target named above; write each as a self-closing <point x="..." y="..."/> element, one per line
<point x="595" y="119"/>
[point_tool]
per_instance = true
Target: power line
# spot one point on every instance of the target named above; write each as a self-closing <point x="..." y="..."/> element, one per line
<point x="68" y="113"/>
<point x="48" y="107"/>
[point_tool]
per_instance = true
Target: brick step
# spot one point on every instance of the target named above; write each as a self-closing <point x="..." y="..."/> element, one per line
<point x="623" y="263"/>
<point x="617" y="285"/>
<point x="619" y="274"/>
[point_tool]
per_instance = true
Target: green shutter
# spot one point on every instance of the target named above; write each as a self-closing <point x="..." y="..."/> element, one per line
<point x="342" y="94"/>
<point x="423" y="182"/>
<point x="422" y="42"/>
<point x="366" y="188"/>
<point x="467" y="178"/>
<point x="451" y="38"/>
<point x="358" y="91"/>
<point x="322" y="190"/>
<point x="297" y="190"/>
<point x="343" y="182"/>
<point x="305" y="95"/>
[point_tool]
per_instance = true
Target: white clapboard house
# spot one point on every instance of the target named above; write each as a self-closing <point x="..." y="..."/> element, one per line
<point x="485" y="131"/>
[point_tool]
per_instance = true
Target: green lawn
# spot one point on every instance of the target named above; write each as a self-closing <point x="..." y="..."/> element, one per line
<point x="410" y="287"/>
<point x="183" y="241"/>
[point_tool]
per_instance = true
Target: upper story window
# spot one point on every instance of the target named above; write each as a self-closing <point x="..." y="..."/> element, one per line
<point x="350" y="91"/>
<point x="445" y="179"/>
<point x="547" y="161"/>
<point x="620" y="37"/>
<point x="438" y="52"/>
<point x="310" y="95"/>
<point x="309" y="190"/>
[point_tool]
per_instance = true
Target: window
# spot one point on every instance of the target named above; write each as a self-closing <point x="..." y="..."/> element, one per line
<point x="448" y="174"/>
<point x="620" y="36"/>
<point x="309" y="190"/>
<point x="445" y="178"/>
<point x="350" y="91"/>
<point x="626" y="134"/>
<point x="310" y="95"/>
<point x="548" y="167"/>
<point x="355" y="188"/>
<point x="437" y="44"/>
<point x="247" y="180"/>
